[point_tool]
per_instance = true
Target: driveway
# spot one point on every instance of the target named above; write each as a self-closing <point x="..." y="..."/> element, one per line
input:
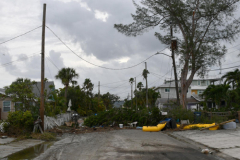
<point x="122" y="144"/>
<point x="224" y="141"/>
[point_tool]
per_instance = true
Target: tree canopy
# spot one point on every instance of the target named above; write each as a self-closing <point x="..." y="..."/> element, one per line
<point x="200" y="25"/>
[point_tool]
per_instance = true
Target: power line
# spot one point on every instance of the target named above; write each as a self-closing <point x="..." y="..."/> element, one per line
<point x="95" y="64"/>
<point x="223" y="68"/>
<point x="49" y="70"/>
<point x="230" y="63"/>
<point x="118" y="81"/>
<point x="52" y="62"/>
<point x="22" y="59"/>
<point x="19" y="35"/>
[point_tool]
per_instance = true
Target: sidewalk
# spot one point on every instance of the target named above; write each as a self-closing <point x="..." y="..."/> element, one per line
<point x="225" y="141"/>
<point x="8" y="147"/>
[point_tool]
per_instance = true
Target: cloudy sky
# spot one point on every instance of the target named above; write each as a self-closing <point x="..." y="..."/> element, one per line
<point x="86" y="26"/>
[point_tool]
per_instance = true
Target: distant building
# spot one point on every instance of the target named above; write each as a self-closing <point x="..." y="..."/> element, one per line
<point x="6" y="104"/>
<point x="118" y="104"/>
<point x="197" y="87"/>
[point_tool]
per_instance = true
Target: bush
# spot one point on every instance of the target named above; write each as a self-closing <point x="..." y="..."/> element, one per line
<point x="177" y="112"/>
<point x="124" y="116"/>
<point x="215" y="119"/>
<point x="46" y="136"/>
<point x="19" y="122"/>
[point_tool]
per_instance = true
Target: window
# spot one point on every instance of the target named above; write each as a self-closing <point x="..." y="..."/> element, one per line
<point x="6" y="106"/>
<point x="199" y="83"/>
<point x="167" y="90"/>
<point x="200" y="92"/>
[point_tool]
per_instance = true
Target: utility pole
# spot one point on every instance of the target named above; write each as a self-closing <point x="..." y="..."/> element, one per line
<point x="98" y="91"/>
<point x="42" y="68"/>
<point x="173" y="47"/>
<point x="146" y="87"/>
<point x="136" y="92"/>
<point x="131" y="95"/>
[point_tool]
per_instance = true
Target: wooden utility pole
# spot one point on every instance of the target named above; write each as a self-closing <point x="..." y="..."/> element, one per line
<point x="136" y="92"/>
<point x="146" y="87"/>
<point x="42" y="68"/>
<point x="131" y="95"/>
<point x="98" y="90"/>
<point x="173" y="47"/>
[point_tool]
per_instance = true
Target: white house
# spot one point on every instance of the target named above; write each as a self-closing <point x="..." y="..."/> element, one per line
<point x="197" y="87"/>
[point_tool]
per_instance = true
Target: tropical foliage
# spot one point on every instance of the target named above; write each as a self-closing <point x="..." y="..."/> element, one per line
<point x="124" y="116"/>
<point x="67" y="75"/>
<point x="229" y="92"/>
<point x="21" y="91"/>
<point x="140" y="95"/>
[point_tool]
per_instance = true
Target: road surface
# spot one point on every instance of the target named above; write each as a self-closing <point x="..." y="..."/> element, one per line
<point x="122" y="144"/>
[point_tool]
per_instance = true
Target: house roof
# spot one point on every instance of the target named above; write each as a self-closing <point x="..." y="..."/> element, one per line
<point x="2" y="91"/>
<point x="118" y="104"/>
<point x="37" y="87"/>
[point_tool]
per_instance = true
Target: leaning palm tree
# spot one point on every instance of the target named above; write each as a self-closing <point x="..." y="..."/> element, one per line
<point x="232" y="77"/>
<point x="144" y="74"/>
<point x="66" y="75"/>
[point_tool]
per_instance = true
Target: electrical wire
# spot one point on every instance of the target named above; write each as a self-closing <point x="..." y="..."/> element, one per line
<point x="119" y="81"/>
<point x="223" y="68"/>
<point x="22" y="59"/>
<point x="95" y="64"/>
<point x="19" y="35"/>
<point x="52" y="62"/>
<point x="49" y="70"/>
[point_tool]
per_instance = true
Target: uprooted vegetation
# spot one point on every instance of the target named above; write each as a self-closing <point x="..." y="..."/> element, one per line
<point x="124" y="116"/>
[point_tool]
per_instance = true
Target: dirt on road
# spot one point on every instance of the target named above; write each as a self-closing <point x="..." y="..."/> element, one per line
<point x="122" y="144"/>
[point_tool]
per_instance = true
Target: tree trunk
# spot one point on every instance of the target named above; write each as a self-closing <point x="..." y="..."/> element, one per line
<point x="183" y="94"/>
<point x="66" y="88"/>
<point x="131" y="97"/>
<point x="146" y="93"/>
<point x="185" y="83"/>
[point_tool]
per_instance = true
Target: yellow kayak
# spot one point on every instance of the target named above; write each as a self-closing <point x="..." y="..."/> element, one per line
<point x="198" y="125"/>
<point x="157" y="128"/>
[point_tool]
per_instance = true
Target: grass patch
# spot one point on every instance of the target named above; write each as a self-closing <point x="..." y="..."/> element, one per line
<point x="46" y="136"/>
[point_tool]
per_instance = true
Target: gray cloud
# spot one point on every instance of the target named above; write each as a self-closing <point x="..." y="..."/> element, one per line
<point x="97" y="37"/>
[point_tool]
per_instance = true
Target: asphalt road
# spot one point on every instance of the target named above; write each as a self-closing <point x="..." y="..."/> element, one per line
<point x="122" y="144"/>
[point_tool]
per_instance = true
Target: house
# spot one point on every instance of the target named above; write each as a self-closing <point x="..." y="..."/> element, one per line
<point x="6" y="104"/>
<point x="197" y="87"/>
<point x="118" y="104"/>
<point x="193" y="103"/>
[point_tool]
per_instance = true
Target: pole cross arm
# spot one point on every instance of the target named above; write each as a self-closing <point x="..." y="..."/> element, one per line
<point x="163" y="54"/>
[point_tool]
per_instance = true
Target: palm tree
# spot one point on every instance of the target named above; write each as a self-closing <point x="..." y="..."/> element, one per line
<point x="140" y="86"/>
<point x="88" y="86"/>
<point x="131" y="80"/>
<point x="144" y="74"/>
<point x="232" y="77"/>
<point x="66" y="75"/>
<point x="216" y="93"/>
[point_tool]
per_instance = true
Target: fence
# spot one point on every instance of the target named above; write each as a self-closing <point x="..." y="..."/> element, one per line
<point x="51" y="122"/>
<point x="221" y="114"/>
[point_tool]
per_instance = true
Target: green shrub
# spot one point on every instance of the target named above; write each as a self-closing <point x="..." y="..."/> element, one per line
<point x="178" y="112"/>
<point x="214" y="119"/>
<point x="124" y="116"/>
<point x="19" y="122"/>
